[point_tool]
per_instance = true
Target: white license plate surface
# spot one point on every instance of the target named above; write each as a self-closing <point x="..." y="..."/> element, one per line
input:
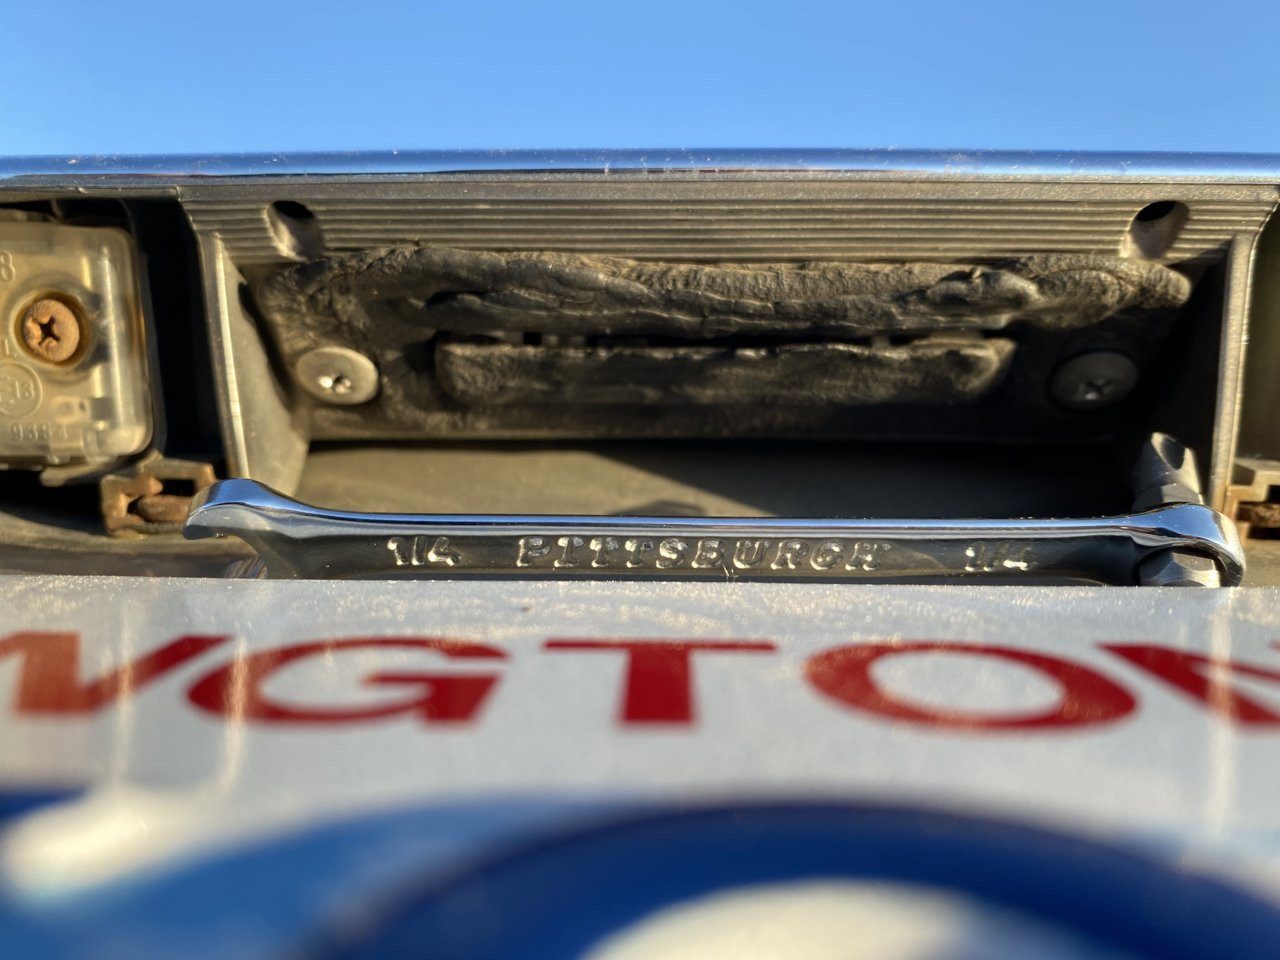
<point x="156" y="732"/>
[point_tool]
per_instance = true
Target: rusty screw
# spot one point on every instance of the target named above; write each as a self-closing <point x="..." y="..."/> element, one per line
<point x="51" y="330"/>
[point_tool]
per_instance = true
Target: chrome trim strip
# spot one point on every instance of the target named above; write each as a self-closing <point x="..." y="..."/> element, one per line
<point x="1183" y="167"/>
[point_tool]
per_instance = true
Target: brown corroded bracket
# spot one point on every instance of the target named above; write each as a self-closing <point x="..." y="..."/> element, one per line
<point x="137" y="503"/>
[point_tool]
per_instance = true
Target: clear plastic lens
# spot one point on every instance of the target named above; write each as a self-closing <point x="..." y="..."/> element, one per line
<point x="74" y="386"/>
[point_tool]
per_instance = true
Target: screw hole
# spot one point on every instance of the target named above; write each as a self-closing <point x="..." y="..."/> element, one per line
<point x="295" y="230"/>
<point x="1155" y="211"/>
<point x="1154" y="229"/>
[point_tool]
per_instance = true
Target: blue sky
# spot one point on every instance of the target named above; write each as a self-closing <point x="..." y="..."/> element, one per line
<point x="233" y="76"/>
